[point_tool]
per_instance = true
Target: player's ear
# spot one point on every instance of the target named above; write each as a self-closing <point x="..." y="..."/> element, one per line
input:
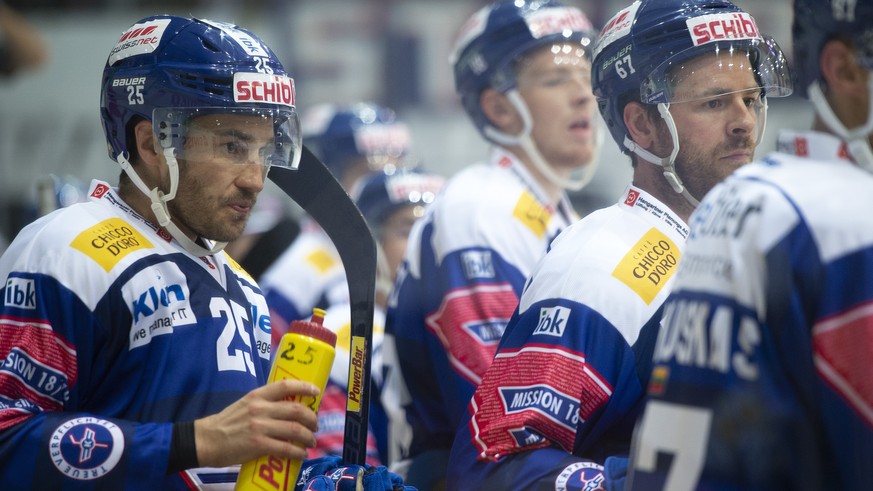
<point x="498" y="109"/>
<point x="145" y="142"/>
<point x="643" y="131"/>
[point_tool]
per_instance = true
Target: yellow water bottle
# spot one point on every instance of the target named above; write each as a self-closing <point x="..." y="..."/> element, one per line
<point x="306" y="353"/>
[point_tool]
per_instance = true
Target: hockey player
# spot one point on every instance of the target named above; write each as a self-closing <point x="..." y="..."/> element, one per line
<point x="522" y="70"/>
<point x="761" y="364"/>
<point x="134" y="351"/>
<point x="353" y="141"/>
<point x="686" y="101"/>
<point x="391" y="202"/>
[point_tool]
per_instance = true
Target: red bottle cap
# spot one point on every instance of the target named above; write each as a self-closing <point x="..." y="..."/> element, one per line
<point x="315" y="328"/>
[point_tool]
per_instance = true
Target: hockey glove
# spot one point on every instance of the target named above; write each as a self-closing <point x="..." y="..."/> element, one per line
<point x="329" y="474"/>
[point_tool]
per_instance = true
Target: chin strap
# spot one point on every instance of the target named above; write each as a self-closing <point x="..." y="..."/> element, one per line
<point x="667" y="163"/>
<point x="857" y="139"/>
<point x="578" y="179"/>
<point x="159" y="202"/>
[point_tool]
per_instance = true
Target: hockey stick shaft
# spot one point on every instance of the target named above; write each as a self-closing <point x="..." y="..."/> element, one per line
<point x="318" y="192"/>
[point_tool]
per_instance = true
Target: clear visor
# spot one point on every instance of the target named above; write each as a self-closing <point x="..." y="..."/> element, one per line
<point x="384" y="146"/>
<point x="568" y="55"/>
<point x="266" y="137"/>
<point x="731" y="67"/>
<point x="556" y="65"/>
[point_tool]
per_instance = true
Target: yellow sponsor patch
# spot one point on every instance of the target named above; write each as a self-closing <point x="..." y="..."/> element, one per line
<point x="532" y="214"/>
<point x="109" y="242"/>
<point x="236" y="267"/>
<point x="342" y="336"/>
<point x="356" y="374"/>
<point x="648" y="265"/>
<point x="322" y="260"/>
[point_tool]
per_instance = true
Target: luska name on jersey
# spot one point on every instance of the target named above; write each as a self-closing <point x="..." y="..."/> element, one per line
<point x="693" y="334"/>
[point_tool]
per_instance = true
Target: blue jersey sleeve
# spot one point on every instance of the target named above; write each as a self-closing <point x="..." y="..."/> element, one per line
<point x="446" y="324"/>
<point x="559" y="399"/>
<point x="45" y="442"/>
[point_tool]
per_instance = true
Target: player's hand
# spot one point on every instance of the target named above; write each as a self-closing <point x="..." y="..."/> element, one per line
<point x="263" y="422"/>
<point x="329" y="474"/>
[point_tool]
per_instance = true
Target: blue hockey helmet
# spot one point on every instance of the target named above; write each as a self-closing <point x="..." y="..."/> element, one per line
<point x="188" y="77"/>
<point x="818" y="21"/>
<point x="168" y="69"/>
<point x="495" y="37"/>
<point x="640" y="53"/>
<point x="340" y="134"/>
<point x="381" y="193"/>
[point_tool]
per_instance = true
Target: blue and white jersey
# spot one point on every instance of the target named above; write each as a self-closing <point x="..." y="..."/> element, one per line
<point x="109" y="332"/>
<point x="762" y="368"/>
<point x="464" y="269"/>
<point x="308" y="274"/>
<point x="569" y="377"/>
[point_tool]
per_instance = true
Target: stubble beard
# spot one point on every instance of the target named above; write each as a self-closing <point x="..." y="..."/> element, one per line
<point x="207" y="216"/>
<point x="699" y="169"/>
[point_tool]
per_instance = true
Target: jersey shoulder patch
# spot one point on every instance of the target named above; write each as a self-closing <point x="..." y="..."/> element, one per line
<point x="649" y="264"/>
<point x="110" y="241"/>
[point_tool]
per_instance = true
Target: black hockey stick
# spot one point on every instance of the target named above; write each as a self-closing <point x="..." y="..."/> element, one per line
<point x="317" y="191"/>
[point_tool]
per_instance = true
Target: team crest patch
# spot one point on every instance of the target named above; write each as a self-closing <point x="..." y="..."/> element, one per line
<point x="581" y="476"/>
<point x="86" y="448"/>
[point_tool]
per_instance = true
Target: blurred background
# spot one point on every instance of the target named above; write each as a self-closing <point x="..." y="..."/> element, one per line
<point x="393" y="52"/>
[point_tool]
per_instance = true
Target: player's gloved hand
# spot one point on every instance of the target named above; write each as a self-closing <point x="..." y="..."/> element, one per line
<point x="615" y="470"/>
<point x="329" y="474"/>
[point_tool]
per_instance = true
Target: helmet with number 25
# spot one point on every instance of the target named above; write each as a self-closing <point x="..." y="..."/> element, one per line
<point x="182" y="73"/>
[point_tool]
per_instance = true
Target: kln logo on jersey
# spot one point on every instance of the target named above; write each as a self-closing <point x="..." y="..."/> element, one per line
<point x="159" y="301"/>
